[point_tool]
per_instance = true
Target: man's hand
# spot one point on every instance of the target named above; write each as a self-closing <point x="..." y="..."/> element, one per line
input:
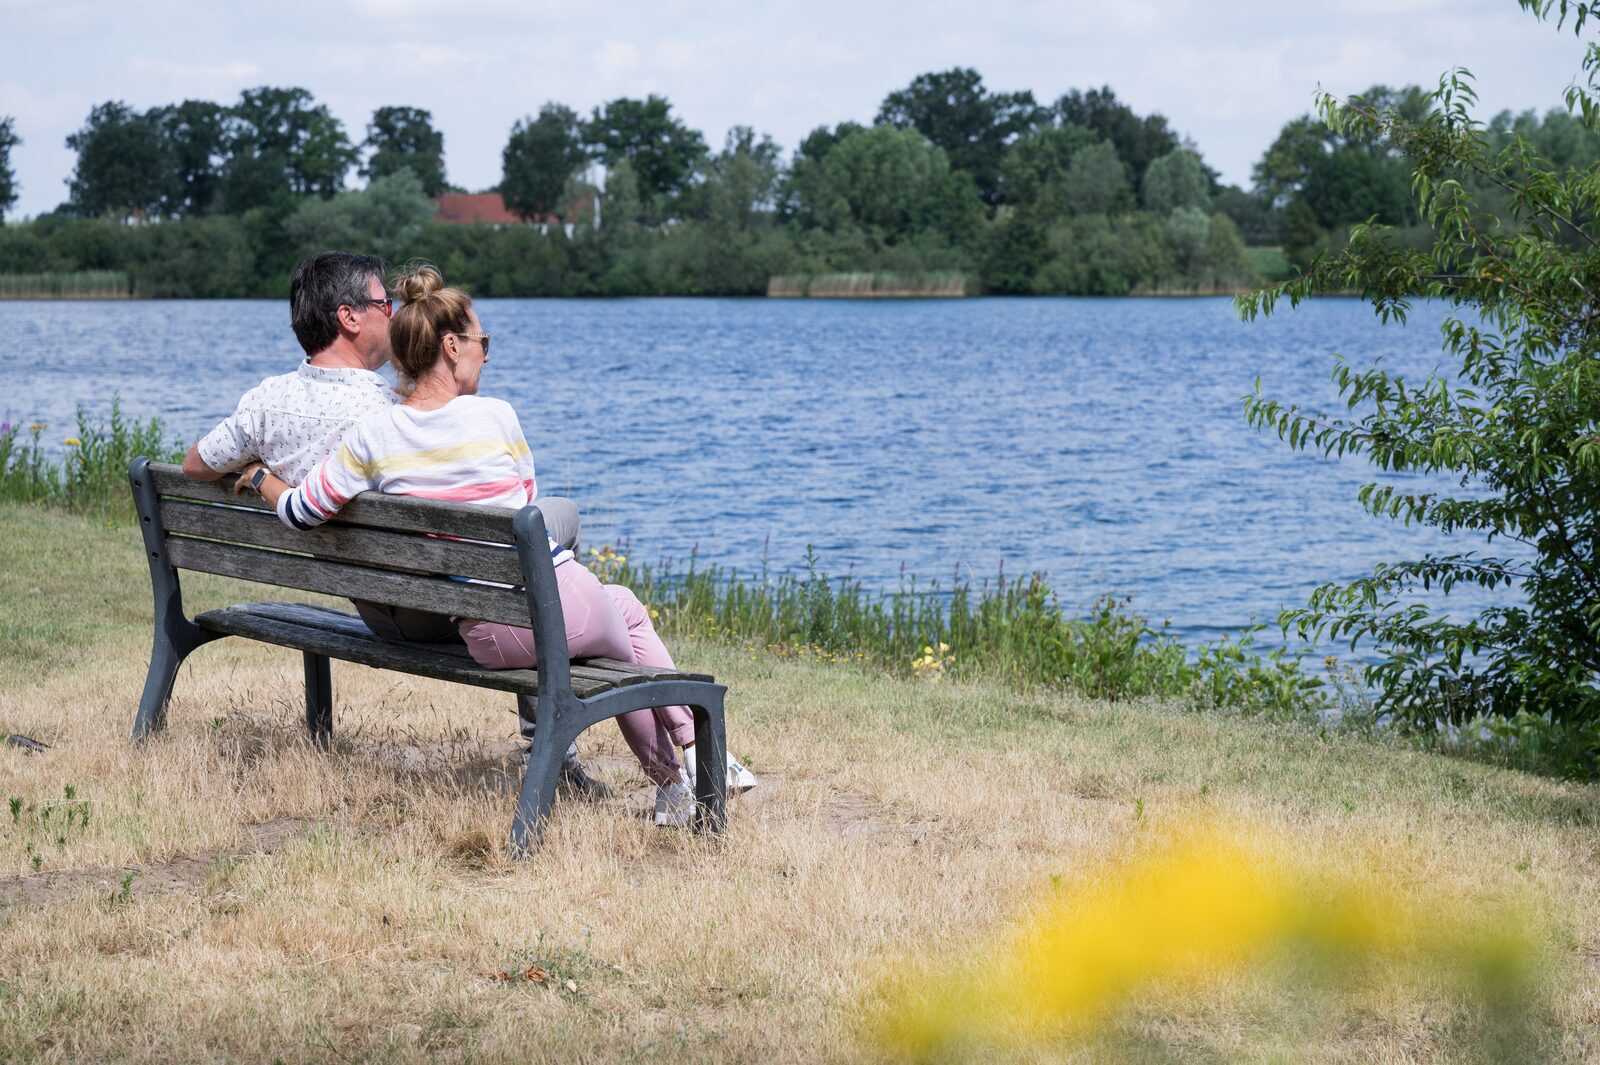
<point x="243" y="483"/>
<point x="195" y="468"/>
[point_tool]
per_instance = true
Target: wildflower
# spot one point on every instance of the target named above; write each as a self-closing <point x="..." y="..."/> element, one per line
<point x="38" y="427"/>
<point x="1195" y="907"/>
<point x="74" y="441"/>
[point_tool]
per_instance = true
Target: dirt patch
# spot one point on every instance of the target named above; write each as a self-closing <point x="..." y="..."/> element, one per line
<point x="187" y="874"/>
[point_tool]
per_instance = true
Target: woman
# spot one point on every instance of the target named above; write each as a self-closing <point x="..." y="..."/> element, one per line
<point x="444" y="441"/>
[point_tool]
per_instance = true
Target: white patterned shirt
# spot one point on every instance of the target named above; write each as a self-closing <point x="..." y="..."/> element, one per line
<point x="295" y="420"/>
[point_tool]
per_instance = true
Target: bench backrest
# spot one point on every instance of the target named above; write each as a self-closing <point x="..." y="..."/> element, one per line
<point x="385" y="549"/>
<point x="397" y="550"/>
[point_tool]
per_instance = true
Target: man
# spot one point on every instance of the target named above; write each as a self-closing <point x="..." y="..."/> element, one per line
<point x="340" y="311"/>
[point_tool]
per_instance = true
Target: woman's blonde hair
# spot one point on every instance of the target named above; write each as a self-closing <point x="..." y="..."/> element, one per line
<point x="429" y="312"/>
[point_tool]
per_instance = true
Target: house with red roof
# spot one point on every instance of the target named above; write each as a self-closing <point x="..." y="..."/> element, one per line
<point x="489" y="209"/>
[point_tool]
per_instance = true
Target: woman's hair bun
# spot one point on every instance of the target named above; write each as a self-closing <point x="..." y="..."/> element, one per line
<point x="419" y="281"/>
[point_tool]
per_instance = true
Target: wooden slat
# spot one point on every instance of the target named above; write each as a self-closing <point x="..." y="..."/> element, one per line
<point x="438" y="594"/>
<point x="424" y="660"/>
<point x="408" y="552"/>
<point x="613" y="673"/>
<point x="343" y="636"/>
<point x="372" y="509"/>
<point x="643" y="672"/>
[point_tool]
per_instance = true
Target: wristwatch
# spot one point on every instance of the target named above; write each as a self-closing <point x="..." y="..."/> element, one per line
<point x="257" y="478"/>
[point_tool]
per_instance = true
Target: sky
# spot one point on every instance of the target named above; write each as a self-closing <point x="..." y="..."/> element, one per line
<point x="1227" y="73"/>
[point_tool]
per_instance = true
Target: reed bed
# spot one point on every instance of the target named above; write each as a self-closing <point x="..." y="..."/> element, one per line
<point x="869" y="285"/>
<point x="78" y="285"/>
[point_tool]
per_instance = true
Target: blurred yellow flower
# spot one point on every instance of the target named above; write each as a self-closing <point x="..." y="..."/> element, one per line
<point x="1192" y="908"/>
<point x="74" y="441"/>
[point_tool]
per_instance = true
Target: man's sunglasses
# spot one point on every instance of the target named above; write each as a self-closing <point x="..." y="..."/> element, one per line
<point x="387" y="303"/>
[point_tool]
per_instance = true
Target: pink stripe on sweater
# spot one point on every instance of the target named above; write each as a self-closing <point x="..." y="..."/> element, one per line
<point x="334" y="499"/>
<point x="471" y="493"/>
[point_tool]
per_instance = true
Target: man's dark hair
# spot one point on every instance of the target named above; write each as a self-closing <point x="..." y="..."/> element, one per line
<point x="320" y="286"/>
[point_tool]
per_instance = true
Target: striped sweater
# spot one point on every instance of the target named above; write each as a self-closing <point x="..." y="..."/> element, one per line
<point x="471" y="450"/>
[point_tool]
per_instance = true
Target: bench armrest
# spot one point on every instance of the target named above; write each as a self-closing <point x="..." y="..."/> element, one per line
<point x="544" y="600"/>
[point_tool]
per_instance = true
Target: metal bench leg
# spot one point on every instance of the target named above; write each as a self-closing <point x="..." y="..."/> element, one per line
<point x="319" y="699"/>
<point x="711" y="782"/>
<point x="165" y="658"/>
<point x="538" y="793"/>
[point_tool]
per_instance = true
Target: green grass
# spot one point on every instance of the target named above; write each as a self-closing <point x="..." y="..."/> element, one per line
<point x="902" y="815"/>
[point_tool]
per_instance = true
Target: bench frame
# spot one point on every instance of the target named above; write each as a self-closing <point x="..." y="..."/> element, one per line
<point x="559" y="713"/>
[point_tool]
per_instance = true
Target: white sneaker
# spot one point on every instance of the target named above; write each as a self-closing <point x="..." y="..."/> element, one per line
<point x="674" y="804"/>
<point x="740" y="779"/>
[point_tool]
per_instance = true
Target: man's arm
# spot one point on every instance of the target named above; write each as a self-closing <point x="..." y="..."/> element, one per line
<point x="195" y="468"/>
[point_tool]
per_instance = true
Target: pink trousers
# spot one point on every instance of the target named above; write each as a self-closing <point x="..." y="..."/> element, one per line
<point x="603" y="621"/>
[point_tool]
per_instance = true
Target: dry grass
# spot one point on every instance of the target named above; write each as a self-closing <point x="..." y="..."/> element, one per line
<point x="358" y="906"/>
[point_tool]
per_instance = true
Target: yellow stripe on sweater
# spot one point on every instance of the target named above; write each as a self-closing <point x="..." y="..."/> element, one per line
<point x="389" y="465"/>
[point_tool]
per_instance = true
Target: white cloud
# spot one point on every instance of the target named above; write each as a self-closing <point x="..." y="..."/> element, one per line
<point x="614" y="59"/>
<point x="169" y="70"/>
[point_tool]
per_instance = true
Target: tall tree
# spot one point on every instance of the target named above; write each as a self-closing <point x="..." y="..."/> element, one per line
<point x="279" y="140"/>
<point x="801" y="189"/>
<point x="403" y="138"/>
<point x="1033" y="176"/>
<point x="1177" y="179"/>
<point x="893" y="184"/>
<point x="8" y="176"/>
<point x="973" y="126"/>
<point x="194" y="131"/>
<point x="124" y="164"/>
<point x="1097" y="180"/>
<point x="540" y="160"/>
<point x="1138" y="141"/>
<point x="1327" y="179"/>
<point x="741" y="180"/>
<point x="663" y="152"/>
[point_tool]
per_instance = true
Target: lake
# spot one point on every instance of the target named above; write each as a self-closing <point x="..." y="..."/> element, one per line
<point x="1101" y="441"/>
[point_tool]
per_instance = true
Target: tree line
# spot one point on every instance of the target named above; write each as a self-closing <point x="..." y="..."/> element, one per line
<point x="1080" y="196"/>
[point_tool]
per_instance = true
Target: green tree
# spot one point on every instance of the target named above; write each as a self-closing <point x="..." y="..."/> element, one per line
<point x="1034" y="172"/>
<point x="802" y="191"/>
<point x="8" y="176"/>
<point x="973" y="125"/>
<point x="889" y="182"/>
<point x="124" y="164"/>
<point x="1511" y="419"/>
<point x="194" y="131"/>
<point x="281" y="142"/>
<point x="384" y="219"/>
<point x="1097" y="181"/>
<point x="1138" y="141"/>
<point x="1177" y="179"/>
<point x="741" y="181"/>
<point x="664" y="153"/>
<point x="540" y="160"/>
<point x="1324" y="180"/>
<point x="403" y="138"/>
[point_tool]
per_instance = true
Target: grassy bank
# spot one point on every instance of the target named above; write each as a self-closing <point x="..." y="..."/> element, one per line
<point x="229" y="893"/>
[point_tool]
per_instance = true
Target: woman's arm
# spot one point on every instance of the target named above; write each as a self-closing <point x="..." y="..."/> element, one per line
<point x="325" y="490"/>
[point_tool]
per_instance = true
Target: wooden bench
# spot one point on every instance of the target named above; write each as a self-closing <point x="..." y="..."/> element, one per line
<point x="390" y="549"/>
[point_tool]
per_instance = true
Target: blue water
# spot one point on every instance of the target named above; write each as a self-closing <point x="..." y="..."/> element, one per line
<point x="1099" y="440"/>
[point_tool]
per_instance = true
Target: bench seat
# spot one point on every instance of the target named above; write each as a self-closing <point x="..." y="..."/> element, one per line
<point x="338" y="634"/>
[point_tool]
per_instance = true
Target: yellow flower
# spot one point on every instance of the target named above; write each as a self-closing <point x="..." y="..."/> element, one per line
<point x="74" y="441"/>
